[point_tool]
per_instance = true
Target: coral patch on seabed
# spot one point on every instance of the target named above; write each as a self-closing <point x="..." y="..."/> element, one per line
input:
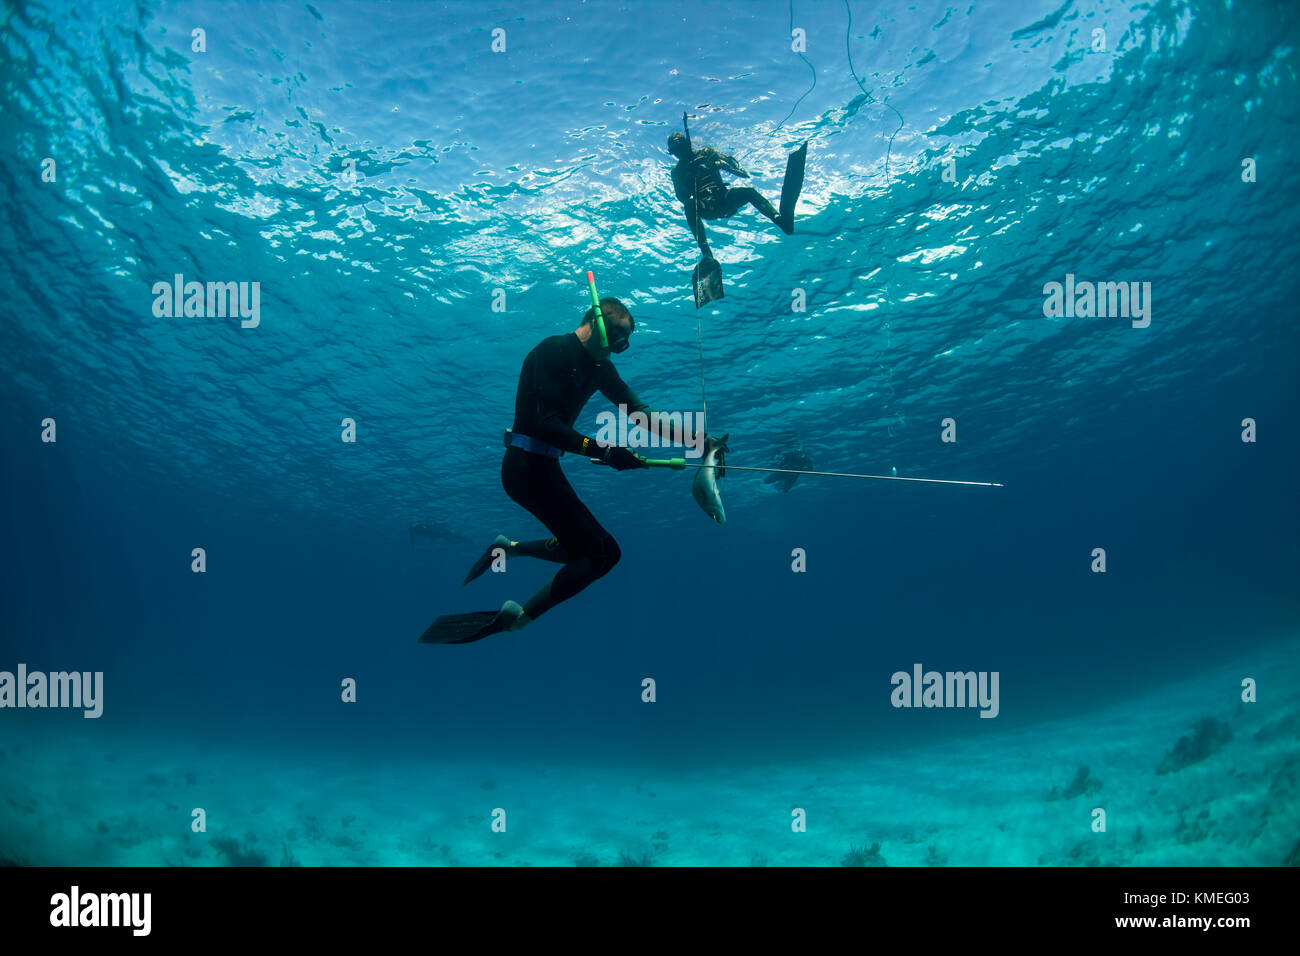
<point x="1083" y="785"/>
<point x="1210" y="737"/>
<point x="863" y="855"/>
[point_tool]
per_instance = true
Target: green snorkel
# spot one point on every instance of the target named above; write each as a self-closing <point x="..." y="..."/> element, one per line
<point x="595" y="307"/>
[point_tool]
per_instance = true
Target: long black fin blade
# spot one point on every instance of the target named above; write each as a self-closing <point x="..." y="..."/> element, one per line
<point x="457" y="628"/>
<point x="792" y="186"/>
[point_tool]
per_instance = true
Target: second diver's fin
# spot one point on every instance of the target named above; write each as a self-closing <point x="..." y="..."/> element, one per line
<point x="791" y="187"/>
<point x="706" y="280"/>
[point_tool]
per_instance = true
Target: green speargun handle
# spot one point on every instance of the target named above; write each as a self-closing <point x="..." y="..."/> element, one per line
<point x="676" y="464"/>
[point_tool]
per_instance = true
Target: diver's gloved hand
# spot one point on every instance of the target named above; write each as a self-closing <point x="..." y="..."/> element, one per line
<point x="623" y="458"/>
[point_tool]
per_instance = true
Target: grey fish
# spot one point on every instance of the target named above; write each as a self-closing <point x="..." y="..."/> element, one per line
<point x="705" y="486"/>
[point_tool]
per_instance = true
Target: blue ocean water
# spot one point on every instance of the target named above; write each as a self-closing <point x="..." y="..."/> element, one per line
<point x="419" y="209"/>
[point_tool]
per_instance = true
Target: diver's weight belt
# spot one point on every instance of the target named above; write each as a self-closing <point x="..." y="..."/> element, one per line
<point x="531" y="445"/>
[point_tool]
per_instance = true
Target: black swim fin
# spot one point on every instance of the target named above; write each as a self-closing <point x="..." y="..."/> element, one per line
<point x="706" y="280"/>
<point x="460" y="628"/>
<point x="486" y="558"/>
<point x="474" y="626"/>
<point x="791" y="187"/>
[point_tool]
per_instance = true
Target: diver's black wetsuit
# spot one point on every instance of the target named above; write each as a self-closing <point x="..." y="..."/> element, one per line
<point x="557" y="379"/>
<point x="699" y="186"/>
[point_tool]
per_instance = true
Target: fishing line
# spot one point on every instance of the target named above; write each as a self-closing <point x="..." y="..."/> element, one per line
<point x="810" y="67"/>
<point x="854" y="73"/>
<point x="695" y="199"/>
<point x="699" y="323"/>
<point x="699" y="334"/>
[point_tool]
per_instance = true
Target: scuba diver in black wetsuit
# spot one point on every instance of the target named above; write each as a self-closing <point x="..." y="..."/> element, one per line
<point x="698" y="185"/>
<point x="557" y="379"/>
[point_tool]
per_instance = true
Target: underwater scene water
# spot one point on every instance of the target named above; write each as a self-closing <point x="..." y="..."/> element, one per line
<point x="1044" y="247"/>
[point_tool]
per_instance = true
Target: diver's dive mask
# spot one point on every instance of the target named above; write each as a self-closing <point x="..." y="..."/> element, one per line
<point x="619" y="338"/>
